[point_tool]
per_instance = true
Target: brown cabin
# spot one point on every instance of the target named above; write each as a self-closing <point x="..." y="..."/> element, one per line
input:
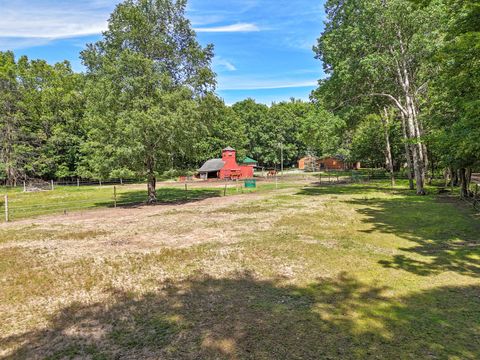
<point x="313" y="163"/>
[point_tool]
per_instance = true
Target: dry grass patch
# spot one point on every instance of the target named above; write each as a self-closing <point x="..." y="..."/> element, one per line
<point x="338" y="272"/>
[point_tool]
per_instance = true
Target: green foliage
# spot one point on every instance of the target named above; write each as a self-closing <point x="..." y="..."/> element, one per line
<point x="225" y="128"/>
<point x="293" y="127"/>
<point x="41" y="118"/>
<point x="322" y="133"/>
<point x="455" y="108"/>
<point x="145" y="82"/>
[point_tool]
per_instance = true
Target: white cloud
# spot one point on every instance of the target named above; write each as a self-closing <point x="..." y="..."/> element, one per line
<point x="51" y="21"/>
<point x="29" y="23"/>
<point x="238" y="27"/>
<point x="224" y="63"/>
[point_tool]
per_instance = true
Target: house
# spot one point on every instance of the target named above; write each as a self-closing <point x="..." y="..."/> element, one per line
<point x="227" y="167"/>
<point x="337" y="162"/>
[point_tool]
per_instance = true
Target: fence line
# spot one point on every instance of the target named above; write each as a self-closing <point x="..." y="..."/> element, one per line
<point x="16" y="208"/>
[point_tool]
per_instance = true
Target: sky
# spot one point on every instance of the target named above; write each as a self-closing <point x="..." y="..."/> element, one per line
<point x="263" y="48"/>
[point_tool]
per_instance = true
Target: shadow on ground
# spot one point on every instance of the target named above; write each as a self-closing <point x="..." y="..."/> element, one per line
<point x="446" y="234"/>
<point x="240" y="317"/>
<point x="165" y="196"/>
<point x="345" y="189"/>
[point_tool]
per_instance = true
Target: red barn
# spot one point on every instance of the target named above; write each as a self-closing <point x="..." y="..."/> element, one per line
<point x="226" y="167"/>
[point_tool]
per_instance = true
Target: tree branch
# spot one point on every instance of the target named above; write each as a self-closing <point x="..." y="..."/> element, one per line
<point x="399" y="105"/>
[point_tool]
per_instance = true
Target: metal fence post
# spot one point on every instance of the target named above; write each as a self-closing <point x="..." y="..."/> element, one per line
<point x="51" y="184"/>
<point x="24" y="186"/>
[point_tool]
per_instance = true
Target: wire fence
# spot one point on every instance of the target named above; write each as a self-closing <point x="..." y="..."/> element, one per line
<point x="65" y="197"/>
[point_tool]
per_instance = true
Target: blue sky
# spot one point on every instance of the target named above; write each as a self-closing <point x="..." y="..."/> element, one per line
<point x="263" y="48"/>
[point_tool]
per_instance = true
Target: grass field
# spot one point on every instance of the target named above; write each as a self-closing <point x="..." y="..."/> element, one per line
<point x="70" y="198"/>
<point x="303" y="272"/>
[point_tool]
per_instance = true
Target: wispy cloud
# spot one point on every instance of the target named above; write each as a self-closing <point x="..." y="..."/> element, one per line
<point x="238" y="27"/>
<point x="220" y="62"/>
<point x="28" y="23"/>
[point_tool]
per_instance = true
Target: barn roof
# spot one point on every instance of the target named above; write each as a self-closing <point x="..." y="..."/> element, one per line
<point x="249" y="160"/>
<point x="229" y="148"/>
<point x="212" y="165"/>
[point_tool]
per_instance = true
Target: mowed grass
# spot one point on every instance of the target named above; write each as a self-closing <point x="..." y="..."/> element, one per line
<point x="71" y="198"/>
<point x="351" y="272"/>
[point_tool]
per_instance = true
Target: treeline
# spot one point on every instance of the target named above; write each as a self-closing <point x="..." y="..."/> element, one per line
<point x="404" y="76"/>
<point x="401" y="92"/>
<point x="146" y="105"/>
<point x="53" y="127"/>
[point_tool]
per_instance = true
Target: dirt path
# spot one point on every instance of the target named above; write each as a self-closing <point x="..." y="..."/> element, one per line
<point x="104" y="232"/>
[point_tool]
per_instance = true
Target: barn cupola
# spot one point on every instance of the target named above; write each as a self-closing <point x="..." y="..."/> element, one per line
<point x="229" y="157"/>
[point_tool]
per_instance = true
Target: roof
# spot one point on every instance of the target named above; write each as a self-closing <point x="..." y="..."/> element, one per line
<point x="229" y="148"/>
<point x="212" y="165"/>
<point x="337" y="157"/>
<point x="248" y="160"/>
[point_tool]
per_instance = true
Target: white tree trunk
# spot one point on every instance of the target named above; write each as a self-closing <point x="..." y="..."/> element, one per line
<point x="388" y="149"/>
<point x="408" y="151"/>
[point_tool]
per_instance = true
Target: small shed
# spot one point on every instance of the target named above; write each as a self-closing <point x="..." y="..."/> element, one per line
<point x="211" y="169"/>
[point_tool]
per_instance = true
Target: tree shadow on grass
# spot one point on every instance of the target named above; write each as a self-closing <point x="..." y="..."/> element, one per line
<point x="241" y="317"/>
<point x="318" y="189"/>
<point x="447" y="236"/>
<point x="165" y="196"/>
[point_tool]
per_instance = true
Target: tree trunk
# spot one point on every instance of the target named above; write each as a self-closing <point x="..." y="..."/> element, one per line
<point x="464" y="183"/>
<point x="410" y="111"/>
<point x="468" y="178"/>
<point x="408" y="152"/>
<point x="416" y="147"/>
<point x="455" y="177"/>
<point x="151" y="181"/>
<point x="388" y="149"/>
<point x="151" y="187"/>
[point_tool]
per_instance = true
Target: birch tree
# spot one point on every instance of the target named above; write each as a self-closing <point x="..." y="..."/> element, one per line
<point x="377" y="48"/>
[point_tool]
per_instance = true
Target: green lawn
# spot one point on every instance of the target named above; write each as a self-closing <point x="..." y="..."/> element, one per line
<point x="71" y="198"/>
<point x="305" y="272"/>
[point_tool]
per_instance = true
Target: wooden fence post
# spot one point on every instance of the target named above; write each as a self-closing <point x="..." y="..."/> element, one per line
<point x="225" y="190"/>
<point x="114" y="196"/>
<point x="6" y="207"/>
<point x="24" y="186"/>
<point x="51" y="184"/>
<point x="78" y="182"/>
<point x="186" y="191"/>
